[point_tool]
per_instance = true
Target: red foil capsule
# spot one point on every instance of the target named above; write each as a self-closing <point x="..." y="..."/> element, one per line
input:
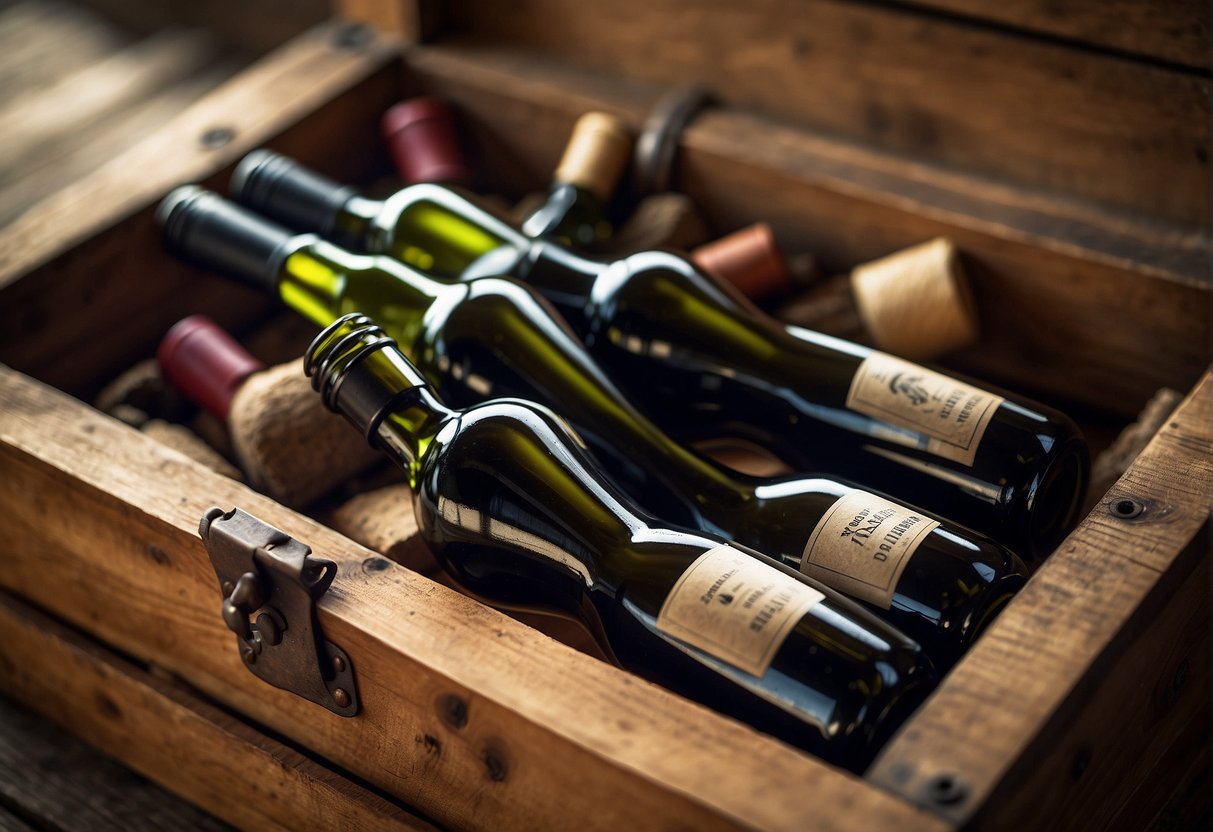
<point x="205" y="363"/>
<point x="749" y="259"/>
<point x="421" y="138"/>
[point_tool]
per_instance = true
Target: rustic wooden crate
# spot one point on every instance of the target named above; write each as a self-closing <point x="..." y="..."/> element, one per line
<point x="1080" y="707"/>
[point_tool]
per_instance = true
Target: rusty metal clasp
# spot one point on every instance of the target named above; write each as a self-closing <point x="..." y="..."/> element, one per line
<point x="270" y="584"/>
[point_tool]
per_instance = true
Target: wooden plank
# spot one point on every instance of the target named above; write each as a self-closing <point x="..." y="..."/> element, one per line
<point x="933" y="88"/>
<point x="541" y="733"/>
<point x="52" y="778"/>
<point x="1108" y="647"/>
<point x="44" y="41"/>
<point x="90" y="257"/>
<point x="1050" y="276"/>
<point x="1175" y="31"/>
<point x="167" y="734"/>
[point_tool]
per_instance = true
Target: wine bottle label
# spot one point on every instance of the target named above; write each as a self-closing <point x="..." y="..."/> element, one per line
<point x="736" y="608"/>
<point x="862" y="545"/>
<point x="935" y="413"/>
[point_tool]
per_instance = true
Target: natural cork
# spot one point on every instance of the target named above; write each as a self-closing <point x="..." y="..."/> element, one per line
<point x="914" y="303"/>
<point x="596" y="155"/>
<point x="288" y="444"/>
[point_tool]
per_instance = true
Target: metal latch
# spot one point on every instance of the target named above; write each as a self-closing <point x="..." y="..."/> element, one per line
<point x="270" y="586"/>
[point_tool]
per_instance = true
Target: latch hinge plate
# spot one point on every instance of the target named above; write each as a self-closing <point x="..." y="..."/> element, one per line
<point x="270" y="584"/>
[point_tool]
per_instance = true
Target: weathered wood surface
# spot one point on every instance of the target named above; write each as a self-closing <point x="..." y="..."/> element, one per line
<point x="169" y="735"/>
<point x="1174" y="31"/>
<point x="90" y="258"/>
<point x="472" y="718"/>
<point x="51" y="778"/>
<point x="1095" y="669"/>
<point x="1126" y="302"/>
<point x="936" y="88"/>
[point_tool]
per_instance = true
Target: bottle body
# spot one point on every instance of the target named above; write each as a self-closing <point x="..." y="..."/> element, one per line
<point x="494" y="337"/>
<point x="957" y="578"/>
<point x="699" y="360"/>
<point x="513" y="505"/>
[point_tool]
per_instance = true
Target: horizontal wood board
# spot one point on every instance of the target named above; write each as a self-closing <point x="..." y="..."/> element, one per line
<point x="1127" y="303"/>
<point x="1099" y="662"/>
<point x="545" y="733"/>
<point x="940" y="89"/>
<point x="173" y="737"/>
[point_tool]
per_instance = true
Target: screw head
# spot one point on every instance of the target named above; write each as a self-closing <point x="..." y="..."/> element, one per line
<point x="338" y="664"/>
<point x="946" y="789"/>
<point x="341" y="698"/>
<point x="217" y="137"/>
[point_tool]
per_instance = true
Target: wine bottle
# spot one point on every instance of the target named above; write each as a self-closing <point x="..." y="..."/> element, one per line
<point x="509" y="501"/>
<point x="289" y="447"/>
<point x="495" y="337"/>
<point x="700" y="359"/>
<point x="575" y="210"/>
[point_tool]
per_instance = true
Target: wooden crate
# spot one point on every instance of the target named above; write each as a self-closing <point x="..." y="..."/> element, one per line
<point x="1082" y="706"/>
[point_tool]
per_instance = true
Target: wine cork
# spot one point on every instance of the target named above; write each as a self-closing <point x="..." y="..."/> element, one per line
<point x="749" y="259"/>
<point x="186" y="442"/>
<point x="596" y="155"/>
<point x="915" y="303"/>
<point x="288" y="444"/>
<point x="666" y="220"/>
<point x="383" y="520"/>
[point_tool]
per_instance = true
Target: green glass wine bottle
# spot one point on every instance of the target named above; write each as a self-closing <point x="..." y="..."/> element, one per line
<point x="507" y="498"/>
<point x="495" y="337"/>
<point x="575" y="212"/>
<point x="701" y="360"/>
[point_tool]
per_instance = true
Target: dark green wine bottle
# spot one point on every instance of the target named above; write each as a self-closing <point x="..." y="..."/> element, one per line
<point x="575" y="212"/>
<point x="507" y="498"/>
<point x="700" y="360"/>
<point x="495" y="337"/>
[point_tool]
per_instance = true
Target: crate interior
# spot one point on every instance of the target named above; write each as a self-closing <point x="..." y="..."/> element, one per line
<point x="516" y="115"/>
<point x="86" y="79"/>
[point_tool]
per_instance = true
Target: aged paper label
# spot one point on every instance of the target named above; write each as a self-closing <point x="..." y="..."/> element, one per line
<point x="736" y="608"/>
<point x="950" y="416"/>
<point x="862" y="545"/>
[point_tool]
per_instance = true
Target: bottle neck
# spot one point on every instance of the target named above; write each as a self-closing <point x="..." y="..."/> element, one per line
<point x="360" y="373"/>
<point x="351" y="224"/>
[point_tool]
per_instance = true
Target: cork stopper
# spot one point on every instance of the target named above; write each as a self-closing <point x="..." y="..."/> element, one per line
<point x="916" y="303"/>
<point x="749" y="259"/>
<point x="423" y="143"/>
<point x="290" y="446"/>
<point x="205" y="363"/>
<point x="596" y="155"/>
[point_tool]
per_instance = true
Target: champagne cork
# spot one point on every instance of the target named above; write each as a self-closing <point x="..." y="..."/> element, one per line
<point x="188" y="443"/>
<point x="915" y="303"/>
<point x="596" y="155"/>
<point x="749" y="259"/>
<point x="424" y="146"/>
<point x="290" y="446"/>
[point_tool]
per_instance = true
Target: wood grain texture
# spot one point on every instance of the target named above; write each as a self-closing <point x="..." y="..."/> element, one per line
<point x="1072" y="121"/>
<point x="1125" y="301"/>
<point x="1095" y="669"/>
<point x="171" y="736"/>
<point x="55" y="780"/>
<point x="91" y="255"/>
<point x="474" y="719"/>
<point x="1175" y="31"/>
